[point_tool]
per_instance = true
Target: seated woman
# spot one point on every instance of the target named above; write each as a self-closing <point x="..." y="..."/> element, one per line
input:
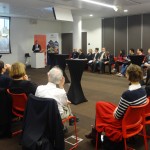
<point x="81" y="54"/>
<point x="120" y="60"/>
<point x="110" y="115"/>
<point x="20" y="83"/>
<point x="126" y="63"/>
<point x="4" y="78"/>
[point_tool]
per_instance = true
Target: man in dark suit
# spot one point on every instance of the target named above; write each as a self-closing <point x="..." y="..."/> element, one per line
<point x="36" y="47"/>
<point x="95" y="60"/>
<point x="107" y="60"/>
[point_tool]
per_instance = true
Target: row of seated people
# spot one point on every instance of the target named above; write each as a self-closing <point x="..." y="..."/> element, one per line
<point x="17" y="82"/>
<point x="144" y="63"/>
<point x="98" y="61"/>
<point x="55" y="77"/>
<point x="95" y="59"/>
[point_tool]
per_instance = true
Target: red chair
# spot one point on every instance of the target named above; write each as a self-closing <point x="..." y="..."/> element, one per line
<point x="75" y="129"/>
<point x="146" y="120"/>
<point x="18" y="105"/>
<point x="132" y="124"/>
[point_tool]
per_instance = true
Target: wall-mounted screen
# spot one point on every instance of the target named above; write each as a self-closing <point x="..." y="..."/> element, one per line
<point x="4" y="35"/>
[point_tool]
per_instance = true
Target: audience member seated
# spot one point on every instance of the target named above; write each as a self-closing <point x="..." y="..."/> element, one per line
<point x="110" y="116"/>
<point x="89" y="57"/>
<point x="120" y="60"/>
<point x="74" y="54"/>
<point x="55" y="89"/>
<point x="20" y="82"/>
<point x="126" y="63"/>
<point x="107" y="60"/>
<point x="101" y="57"/>
<point x="81" y="54"/>
<point x="146" y="63"/>
<point x="4" y="78"/>
<point x="95" y="60"/>
<point x="147" y="87"/>
<point x="139" y="51"/>
<point x="147" y="59"/>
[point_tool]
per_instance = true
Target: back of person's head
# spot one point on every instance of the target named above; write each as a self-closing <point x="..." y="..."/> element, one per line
<point x="134" y="73"/>
<point x="17" y="70"/>
<point x="55" y="75"/>
<point x="1" y="66"/>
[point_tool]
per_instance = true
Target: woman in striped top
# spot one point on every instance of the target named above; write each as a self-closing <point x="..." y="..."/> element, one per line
<point x="109" y="116"/>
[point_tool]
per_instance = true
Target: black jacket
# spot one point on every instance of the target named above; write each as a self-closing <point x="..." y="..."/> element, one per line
<point x="5" y="113"/>
<point x="34" y="46"/>
<point x="81" y="56"/>
<point x="22" y="86"/>
<point x="74" y="55"/>
<point x="4" y="81"/>
<point x="42" y="128"/>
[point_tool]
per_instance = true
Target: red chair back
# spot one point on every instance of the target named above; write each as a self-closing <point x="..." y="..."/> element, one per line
<point x="18" y="103"/>
<point x="132" y="122"/>
<point x="147" y="113"/>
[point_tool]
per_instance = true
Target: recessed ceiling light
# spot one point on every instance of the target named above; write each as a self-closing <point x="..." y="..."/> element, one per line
<point x="91" y="15"/>
<point x="125" y="10"/>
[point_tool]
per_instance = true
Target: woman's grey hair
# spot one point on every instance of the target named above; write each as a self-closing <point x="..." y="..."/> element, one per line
<point x="55" y="75"/>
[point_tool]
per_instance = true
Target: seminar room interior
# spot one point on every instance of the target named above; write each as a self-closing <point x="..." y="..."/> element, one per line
<point x="75" y="24"/>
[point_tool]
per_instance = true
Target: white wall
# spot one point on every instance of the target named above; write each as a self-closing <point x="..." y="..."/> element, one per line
<point x="93" y="28"/>
<point x="22" y="37"/>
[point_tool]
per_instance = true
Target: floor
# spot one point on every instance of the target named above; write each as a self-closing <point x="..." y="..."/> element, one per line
<point x="96" y="87"/>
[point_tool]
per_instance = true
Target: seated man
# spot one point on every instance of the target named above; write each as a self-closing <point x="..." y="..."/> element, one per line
<point x="55" y="89"/>
<point x="95" y="60"/>
<point x="107" y="60"/>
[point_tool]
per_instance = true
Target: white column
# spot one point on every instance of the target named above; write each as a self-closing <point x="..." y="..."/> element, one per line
<point x="77" y="32"/>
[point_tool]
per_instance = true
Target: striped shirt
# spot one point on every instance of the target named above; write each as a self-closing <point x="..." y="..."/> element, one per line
<point x="134" y="96"/>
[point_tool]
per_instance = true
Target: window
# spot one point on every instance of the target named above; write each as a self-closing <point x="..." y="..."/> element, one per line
<point x="4" y="35"/>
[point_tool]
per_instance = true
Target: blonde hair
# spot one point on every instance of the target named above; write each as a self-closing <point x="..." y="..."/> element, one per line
<point x="90" y="50"/>
<point x="17" y="70"/>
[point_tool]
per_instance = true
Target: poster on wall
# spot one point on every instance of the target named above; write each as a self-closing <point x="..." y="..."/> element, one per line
<point x="52" y="43"/>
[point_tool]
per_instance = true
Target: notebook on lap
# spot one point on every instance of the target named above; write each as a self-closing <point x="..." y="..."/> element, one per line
<point x="137" y="59"/>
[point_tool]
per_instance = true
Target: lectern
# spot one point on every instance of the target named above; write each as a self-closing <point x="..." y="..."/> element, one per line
<point x="37" y="60"/>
